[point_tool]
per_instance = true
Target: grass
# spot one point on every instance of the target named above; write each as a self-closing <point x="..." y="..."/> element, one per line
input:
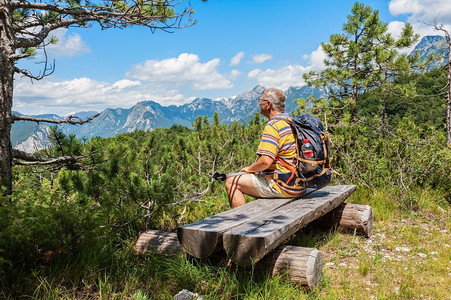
<point x="407" y="257"/>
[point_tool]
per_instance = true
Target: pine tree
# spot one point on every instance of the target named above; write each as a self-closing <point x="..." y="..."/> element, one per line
<point x="363" y="57"/>
<point x="26" y="26"/>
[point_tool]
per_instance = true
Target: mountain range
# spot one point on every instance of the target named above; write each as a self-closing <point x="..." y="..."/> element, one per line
<point x="436" y="45"/>
<point x="148" y="115"/>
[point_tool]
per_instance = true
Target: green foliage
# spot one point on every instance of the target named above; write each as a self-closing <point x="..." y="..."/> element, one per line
<point x="28" y="51"/>
<point x="419" y="97"/>
<point x="63" y="144"/>
<point x="59" y="218"/>
<point x="67" y="231"/>
<point x="364" y="56"/>
<point x="405" y="162"/>
<point x="48" y="17"/>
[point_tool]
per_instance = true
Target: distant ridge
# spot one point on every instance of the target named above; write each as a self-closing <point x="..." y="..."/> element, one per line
<point x="436" y="45"/>
<point x="148" y="115"/>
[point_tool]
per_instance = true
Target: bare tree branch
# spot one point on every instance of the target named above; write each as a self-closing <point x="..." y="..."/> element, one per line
<point x="46" y="70"/>
<point x="31" y="76"/>
<point x="20" y="56"/>
<point x="31" y="159"/>
<point x="72" y="120"/>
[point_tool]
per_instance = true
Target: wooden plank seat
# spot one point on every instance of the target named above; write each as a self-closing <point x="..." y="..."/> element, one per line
<point x="200" y="239"/>
<point x="248" y="222"/>
<point x="252" y="240"/>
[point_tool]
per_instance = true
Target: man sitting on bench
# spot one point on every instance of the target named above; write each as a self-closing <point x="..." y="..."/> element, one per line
<point x="271" y="175"/>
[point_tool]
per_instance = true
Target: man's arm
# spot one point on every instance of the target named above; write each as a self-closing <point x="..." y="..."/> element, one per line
<point x="261" y="164"/>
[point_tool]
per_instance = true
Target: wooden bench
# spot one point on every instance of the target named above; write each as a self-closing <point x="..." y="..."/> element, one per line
<point x="249" y="232"/>
<point x="252" y="233"/>
<point x="302" y="266"/>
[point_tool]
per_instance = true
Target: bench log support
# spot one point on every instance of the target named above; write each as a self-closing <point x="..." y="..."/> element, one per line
<point x="300" y="265"/>
<point x="349" y="218"/>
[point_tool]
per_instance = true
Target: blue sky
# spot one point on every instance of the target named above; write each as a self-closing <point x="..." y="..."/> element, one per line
<point x="235" y="45"/>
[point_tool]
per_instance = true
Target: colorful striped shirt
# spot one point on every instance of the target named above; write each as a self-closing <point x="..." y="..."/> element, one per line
<point x="278" y="140"/>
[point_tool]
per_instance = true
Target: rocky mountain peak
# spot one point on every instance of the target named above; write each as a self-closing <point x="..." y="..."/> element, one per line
<point x="253" y="94"/>
<point x="259" y="89"/>
<point x="436" y="45"/>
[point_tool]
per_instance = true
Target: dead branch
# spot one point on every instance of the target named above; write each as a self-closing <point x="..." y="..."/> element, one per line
<point x="31" y="159"/>
<point x="46" y="71"/>
<point x="22" y="158"/>
<point x="72" y="120"/>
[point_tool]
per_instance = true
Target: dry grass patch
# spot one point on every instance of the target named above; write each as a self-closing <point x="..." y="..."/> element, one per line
<point x="407" y="258"/>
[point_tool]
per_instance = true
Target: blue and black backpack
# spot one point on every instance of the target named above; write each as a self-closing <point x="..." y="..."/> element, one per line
<point x="315" y="172"/>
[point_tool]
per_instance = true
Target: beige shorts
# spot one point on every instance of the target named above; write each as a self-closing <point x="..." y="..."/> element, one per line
<point x="265" y="187"/>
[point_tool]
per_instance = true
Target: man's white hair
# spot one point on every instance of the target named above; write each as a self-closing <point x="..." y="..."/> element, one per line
<point x="276" y="97"/>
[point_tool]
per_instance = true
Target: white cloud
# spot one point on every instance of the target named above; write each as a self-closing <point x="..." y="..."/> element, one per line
<point x="237" y="59"/>
<point x="181" y="70"/>
<point x="395" y="28"/>
<point x="290" y="75"/>
<point x="234" y="74"/>
<point x="160" y="81"/>
<point x="61" y="97"/>
<point x="422" y="10"/>
<point x="260" y="58"/>
<point x="67" y="45"/>
<point x="125" y="83"/>
<point x="426" y="29"/>
<point x="254" y="73"/>
<point x="317" y="58"/>
<point x="281" y="78"/>
<point x="422" y="15"/>
<point x="420" y="28"/>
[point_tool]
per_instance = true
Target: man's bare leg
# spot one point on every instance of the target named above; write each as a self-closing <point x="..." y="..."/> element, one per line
<point x="237" y="187"/>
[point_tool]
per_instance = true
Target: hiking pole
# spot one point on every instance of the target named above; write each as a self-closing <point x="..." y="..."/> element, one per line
<point x="222" y="176"/>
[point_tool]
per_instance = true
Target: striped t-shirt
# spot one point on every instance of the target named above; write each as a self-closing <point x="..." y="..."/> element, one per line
<point x="278" y="140"/>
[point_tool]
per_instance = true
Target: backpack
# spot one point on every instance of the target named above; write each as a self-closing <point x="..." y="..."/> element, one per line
<point x="315" y="173"/>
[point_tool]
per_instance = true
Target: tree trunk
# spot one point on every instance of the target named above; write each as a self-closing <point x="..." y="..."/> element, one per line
<point x="302" y="266"/>
<point x="6" y="95"/>
<point x="355" y="86"/>
<point x="448" y="116"/>
<point x="354" y="98"/>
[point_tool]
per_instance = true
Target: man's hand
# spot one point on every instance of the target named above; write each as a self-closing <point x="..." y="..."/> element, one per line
<point x="245" y="169"/>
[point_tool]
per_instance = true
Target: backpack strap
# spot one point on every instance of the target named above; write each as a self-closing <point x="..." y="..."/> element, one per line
<point x="299" y="179"/>
<point x="289" y="167"/>
<point x="292" y="169"/>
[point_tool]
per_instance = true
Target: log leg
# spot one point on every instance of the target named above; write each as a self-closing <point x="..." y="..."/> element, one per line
<point x="302" y="266"/>
<point x="349" y="218"/>
<point x="159" y="241"/>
